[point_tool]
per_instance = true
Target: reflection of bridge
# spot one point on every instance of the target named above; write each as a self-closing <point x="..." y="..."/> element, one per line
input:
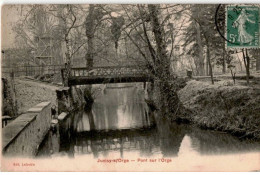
<point x="111" y="74"/>
<point x="95" y="142"/>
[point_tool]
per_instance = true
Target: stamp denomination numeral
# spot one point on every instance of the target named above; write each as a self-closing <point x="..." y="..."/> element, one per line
<point x="232" y="38"/>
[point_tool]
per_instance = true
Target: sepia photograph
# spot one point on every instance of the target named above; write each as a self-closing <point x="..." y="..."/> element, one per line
<point x="130" y="87"/>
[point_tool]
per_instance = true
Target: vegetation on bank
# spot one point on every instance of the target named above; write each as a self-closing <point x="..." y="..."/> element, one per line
<point x="234" y="109"/>
<point x="9" y="103"/>
<point x="88" y="97"/>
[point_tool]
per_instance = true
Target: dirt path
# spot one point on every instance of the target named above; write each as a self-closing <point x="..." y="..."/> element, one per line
<point x="31" y="92"/>
<point x="39" y="83"/>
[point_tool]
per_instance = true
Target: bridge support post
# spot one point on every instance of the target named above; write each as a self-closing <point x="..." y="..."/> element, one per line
<point x="144" y="85"/>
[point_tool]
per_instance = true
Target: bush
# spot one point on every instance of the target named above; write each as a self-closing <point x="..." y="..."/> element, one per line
<point x="227" y="108"/>
<point x="36" y="76"/>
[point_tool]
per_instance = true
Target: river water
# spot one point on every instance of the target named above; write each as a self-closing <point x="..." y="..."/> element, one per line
<point x="119" y="124"/>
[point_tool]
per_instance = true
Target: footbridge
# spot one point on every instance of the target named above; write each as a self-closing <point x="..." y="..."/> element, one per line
<point x="108" y="74"/>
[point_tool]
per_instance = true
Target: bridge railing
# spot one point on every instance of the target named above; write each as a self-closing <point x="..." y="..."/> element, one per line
<point x="108" y="71"/>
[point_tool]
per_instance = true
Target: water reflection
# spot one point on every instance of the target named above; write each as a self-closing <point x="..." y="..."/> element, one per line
<point x="211" y="143"/>
<point x="116" y="108"/>
<point x="127" y="140"/>
<point x="51" y="143"/>
<point x="119" y="122"/>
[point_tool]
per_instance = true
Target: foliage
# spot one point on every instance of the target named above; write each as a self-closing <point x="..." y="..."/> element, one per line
<point x="117" y="23"/>
<point x="203" y="17"/>
<point x="59" y="24"/>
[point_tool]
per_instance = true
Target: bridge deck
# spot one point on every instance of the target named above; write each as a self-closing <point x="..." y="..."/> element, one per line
<point x="112" y="74"/>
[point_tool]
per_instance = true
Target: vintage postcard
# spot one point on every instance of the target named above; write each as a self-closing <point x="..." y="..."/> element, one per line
<point x="130" y="87"/>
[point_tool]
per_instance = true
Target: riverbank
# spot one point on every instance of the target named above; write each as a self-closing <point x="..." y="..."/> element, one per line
<point x="223" y="106"/>
<point x="22" y="94"/>
<point x="30" y="93"/>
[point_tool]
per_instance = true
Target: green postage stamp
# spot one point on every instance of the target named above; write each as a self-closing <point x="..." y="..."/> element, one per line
<point x="242" y="26"/>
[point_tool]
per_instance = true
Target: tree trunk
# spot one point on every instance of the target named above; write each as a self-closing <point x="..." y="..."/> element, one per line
<point x="167" y="100"/>
<point x="224" y="61"/>
<point x="162" y="64"/>
<point x="258" y="61"/>
<point x="90" y="36"/>
<point x="90" y="53"/>
<point x="68" y="62"/>
<point x="201" y="57"/>
<point x="209" y="64"/>
<point x="207" y="67"/>
<point x="246" y="62"/>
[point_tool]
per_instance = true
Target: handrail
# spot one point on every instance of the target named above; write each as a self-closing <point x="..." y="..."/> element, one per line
<point x="106" y="71"/>
<point x="108" y="67"/>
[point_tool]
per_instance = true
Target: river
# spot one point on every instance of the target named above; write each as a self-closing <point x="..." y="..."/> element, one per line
<point x="119" y="124"/>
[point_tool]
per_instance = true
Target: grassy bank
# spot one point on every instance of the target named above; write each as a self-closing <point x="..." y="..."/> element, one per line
<point x="30" y="93"/>
<point x="224" y="107"/>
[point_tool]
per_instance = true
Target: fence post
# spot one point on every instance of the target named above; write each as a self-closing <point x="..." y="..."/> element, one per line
<point x="12" y="74"/>
<point x="41" y="69"/>
<point x="26" y="74"/>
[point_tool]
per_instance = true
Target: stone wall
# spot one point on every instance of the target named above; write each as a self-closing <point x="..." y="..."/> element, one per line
<point x="23" y="136"/>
